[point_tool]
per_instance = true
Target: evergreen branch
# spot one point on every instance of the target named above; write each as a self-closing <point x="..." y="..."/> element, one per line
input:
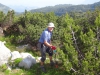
<point x="75" y="42"/>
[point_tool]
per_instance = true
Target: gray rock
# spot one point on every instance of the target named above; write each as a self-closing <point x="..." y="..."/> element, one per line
<point x="28" y="60"/>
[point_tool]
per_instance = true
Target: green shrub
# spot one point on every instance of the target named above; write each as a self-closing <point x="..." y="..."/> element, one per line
<point x="17" y="61"/>
<point x="3" y="67"/>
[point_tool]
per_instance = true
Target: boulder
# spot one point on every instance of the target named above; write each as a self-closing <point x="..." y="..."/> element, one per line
<point x="15" y="55"/>
<point x="5" y="53"/>
<point x="28" y="60"/>
<point x="6" y="56"/>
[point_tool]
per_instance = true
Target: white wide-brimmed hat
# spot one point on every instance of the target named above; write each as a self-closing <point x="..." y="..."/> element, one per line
<point x="51" y="24"/>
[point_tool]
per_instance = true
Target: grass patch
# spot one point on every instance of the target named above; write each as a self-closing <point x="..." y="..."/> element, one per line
<point x="35" y="70"/>
<point x="8" y="43"/>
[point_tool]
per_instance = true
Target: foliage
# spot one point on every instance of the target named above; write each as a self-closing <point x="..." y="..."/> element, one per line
<point x="17" y="61"/>
<point x="3" y="67"/>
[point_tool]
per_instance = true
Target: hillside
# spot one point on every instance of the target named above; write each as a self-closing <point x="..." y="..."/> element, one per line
<point x="4" y="8"/>
<point x="62" y="9"/>
<point x="58" y="9"/>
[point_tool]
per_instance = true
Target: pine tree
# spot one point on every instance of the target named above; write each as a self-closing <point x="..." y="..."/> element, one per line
<point x="69" y="52"/>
